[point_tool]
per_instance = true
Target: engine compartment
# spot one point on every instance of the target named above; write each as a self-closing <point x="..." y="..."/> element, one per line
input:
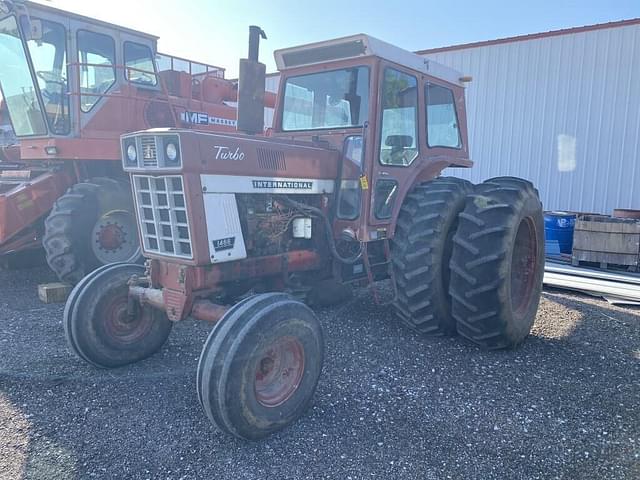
<point x="269" y="223"/>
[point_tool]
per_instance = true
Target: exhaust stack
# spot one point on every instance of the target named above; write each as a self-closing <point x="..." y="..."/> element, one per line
<point x="251" y="86"/>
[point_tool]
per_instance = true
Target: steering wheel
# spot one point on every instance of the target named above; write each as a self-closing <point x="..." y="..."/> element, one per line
<point x="51" y="77"/>
<point x="145" y="78"/>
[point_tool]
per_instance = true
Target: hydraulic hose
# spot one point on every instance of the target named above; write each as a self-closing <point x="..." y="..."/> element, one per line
<point x="316" y="212"/>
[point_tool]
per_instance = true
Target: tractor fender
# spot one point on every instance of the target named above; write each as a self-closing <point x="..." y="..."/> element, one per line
<point x="430" y="169"/>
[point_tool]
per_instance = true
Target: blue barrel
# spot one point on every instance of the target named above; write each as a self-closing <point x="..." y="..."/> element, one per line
<point x="558" y="232"/>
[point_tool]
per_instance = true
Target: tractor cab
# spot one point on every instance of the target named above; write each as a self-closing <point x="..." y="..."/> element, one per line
<point x="397" y="118"/>
<point x="71" y="84"/>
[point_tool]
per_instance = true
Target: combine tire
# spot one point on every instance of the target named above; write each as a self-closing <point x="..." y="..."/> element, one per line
<point x="498" y="263"/>
<point x="420" y="254"/>
<point x="91" y="225"/>
<point x="259" y="367"/>
<point x="98" y="325"/>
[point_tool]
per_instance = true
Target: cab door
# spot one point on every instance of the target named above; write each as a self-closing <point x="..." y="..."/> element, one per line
<point x="398" y="152"/>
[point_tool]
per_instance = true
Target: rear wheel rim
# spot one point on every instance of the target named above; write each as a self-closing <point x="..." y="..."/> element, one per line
<point x="114" y="238"/>
<point x="524" y="263"/>
<point x="279" y="371"/>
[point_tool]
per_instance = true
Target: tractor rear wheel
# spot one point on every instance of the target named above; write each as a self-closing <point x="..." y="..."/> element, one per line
<point x="260" y="366"/>
<point x="420" y="253"/>
<point x="91" y="225"/>
<point x="497" y="263"/>
<point x="99" y="325"/>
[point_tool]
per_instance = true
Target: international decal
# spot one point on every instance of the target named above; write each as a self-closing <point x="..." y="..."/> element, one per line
<point x="282" y="184"/>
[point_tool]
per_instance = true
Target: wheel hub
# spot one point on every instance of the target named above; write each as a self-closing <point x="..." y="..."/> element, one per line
<point x="114" y="238"/>
<point x="122" y="327"/>
<point x="279" y="371"/>
<point x="110" y="237"/>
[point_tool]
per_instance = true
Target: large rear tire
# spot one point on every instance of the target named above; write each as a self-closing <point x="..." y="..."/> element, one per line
<point x="497" y="263"/>
<point x="260" y="366"/>
<point x="91" y="225"/>
<point x="99" y="326"/>
<point x="420" y="253"/>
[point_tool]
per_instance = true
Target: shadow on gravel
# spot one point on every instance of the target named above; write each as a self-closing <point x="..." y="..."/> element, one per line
<point x="391" y="404"/>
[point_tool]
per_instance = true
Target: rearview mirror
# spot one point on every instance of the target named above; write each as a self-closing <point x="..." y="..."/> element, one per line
<point x="32" y="28"/>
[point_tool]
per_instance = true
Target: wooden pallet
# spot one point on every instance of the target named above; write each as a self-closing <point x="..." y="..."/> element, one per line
<point x="605" y="265"/>
<point x="606" y="241"/>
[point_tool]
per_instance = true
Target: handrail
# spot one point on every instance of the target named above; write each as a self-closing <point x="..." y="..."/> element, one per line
<point x="209" y="68"/>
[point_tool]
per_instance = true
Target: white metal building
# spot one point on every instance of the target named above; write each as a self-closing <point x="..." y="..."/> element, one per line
<point x="560" y="108"/>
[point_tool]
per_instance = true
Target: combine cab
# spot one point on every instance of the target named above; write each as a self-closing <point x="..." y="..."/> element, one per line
<point x="347" y="191"/>
<point x="70" y="87"/>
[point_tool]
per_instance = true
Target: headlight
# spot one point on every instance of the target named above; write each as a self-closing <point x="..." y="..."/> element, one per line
<point x="132" y="153"/>
<point x="172" y="152"/>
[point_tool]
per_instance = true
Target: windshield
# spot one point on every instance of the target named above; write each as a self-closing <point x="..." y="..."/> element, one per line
<point x="49" y="57"/>
<point x="6" y="130"/>
<point x="335" y="99"/>
<point x="17" y="85"/>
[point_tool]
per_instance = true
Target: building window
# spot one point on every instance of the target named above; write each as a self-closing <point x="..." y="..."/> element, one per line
<point x="399" y="132"/>
<point x="97" y="58"/>
<point x="442" y="121"/>
<point x="140" y="66"/>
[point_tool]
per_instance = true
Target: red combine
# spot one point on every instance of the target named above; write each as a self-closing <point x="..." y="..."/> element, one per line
<point x="71" y="85"/>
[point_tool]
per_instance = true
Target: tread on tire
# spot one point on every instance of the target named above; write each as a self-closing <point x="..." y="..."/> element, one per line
<point x="497" y="263"/>
<point x="420" y="253"/>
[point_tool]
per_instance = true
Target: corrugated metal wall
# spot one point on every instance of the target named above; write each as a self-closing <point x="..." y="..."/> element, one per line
<point x="562" y="111"/>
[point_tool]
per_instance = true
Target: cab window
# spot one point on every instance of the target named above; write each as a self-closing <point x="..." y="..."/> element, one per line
<point x="442" y="121"/>
<point x="140" y="66"/>
<point x="18" y="90"/>
<point x="49" y="56"/>
<point x="323" y="100"/>
<point x="97" y="58"/>
<point x="399" y="131"/>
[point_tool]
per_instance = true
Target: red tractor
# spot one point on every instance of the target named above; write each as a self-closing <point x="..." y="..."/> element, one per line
<point x="70" y="87"/>
<point x="347" y="191"/>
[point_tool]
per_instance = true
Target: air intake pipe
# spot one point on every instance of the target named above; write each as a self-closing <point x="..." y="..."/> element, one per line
<point x="251" y="86"/>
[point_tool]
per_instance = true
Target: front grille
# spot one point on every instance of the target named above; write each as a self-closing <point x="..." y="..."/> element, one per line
<point x="162" y="215"/>
<point x="149" y="151"/>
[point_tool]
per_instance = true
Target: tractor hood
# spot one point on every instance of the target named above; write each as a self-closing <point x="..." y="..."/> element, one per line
<point x="261" y="158"/>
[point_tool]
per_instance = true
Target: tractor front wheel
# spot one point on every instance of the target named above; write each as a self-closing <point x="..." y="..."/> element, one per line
<point x="91" y="225"/>
<point x="259" y="367"/>
<point x="102" y="328"/>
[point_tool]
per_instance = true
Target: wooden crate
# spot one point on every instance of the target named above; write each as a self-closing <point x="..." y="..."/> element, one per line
<point x="606" y="241"/>
<point x="54" y="292"/>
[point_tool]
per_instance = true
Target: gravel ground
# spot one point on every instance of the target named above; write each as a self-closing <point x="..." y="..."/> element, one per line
<point x="391" y="404"/>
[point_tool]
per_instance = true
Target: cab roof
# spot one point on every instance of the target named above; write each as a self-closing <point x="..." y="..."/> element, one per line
<point x="361" y="45"/>
<point x="34" y="7"/>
